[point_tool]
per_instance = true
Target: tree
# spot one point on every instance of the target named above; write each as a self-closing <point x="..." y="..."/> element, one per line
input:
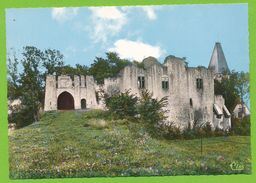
<point x="243" y="86"/>
<point x="81" y="69"/>
<point x="31" y="80"/>
<point x="53" y="59"/>
<point x="107" y="67"/>
<point x="13" y="77"/>
<point x="234" y="88"/>
<point x="28" y="84"/>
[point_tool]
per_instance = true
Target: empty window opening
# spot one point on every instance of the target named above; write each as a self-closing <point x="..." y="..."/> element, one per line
<point x="141" y="82"/>
<point x="97" y="97"/>
<point x="191" y="102"/>
<point x="199" y="83"/>
<point x="165" y="84"/>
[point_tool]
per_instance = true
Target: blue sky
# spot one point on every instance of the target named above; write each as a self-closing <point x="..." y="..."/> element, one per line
<point x="81" y="34"/>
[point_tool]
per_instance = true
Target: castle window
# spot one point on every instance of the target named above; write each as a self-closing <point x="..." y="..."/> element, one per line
<point x="191" y="102"/>
<point x="165" y="83"/>
<point x="141" y="82"/>
<point x="199" y="83"/>
<point x="97" y="97"/>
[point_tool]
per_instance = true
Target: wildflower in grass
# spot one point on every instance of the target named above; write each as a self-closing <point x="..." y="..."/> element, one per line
<point x="220" y="158"/>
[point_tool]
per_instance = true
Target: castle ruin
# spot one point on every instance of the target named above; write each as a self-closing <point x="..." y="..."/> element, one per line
<point x="190" y="90"/>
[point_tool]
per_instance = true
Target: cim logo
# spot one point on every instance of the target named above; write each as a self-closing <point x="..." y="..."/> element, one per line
<point x="236" y="166"/>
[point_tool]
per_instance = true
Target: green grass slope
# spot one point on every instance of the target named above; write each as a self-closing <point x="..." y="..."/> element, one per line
<point x="78" y="144"/>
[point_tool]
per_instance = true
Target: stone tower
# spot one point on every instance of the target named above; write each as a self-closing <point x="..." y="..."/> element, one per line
<point x="218" y="61"/>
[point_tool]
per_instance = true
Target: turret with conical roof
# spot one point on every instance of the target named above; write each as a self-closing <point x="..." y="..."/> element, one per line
<point x="218" y="61"/>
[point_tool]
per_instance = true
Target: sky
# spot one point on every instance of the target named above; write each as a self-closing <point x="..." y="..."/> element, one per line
<point x="135" y="32"/>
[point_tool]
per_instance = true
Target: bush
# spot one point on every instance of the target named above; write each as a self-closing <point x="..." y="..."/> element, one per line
<point x="207" y="128"/>
<point x="122" y="105"/>
<point x="152" y="111"/>
<point x="21" y="118"/>
<point x="196" y="131"/>
<point x="170" y="132"/>
<point x="241" y="127"/>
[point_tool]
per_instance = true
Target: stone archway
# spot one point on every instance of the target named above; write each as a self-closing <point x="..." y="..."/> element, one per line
<point x="65" y="101"/>
<point x="83" y="104"/>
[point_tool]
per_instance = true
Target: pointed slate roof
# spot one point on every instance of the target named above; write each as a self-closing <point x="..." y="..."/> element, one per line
<point x="218" y="61"/>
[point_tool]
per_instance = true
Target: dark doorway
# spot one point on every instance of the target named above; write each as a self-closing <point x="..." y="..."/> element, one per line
<point x="83" y="104"/>
<point x="65" y="101"/>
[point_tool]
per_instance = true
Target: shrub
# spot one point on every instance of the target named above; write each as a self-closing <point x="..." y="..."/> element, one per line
<point x="21" y="118"/>
<point x="152" y="110"/>
<point x="170" y="132"/>
<point x="207" y="128"/>
<point x="122" y="105"/>
<point x="191" y="132"/>
<point x="241" y="127"/>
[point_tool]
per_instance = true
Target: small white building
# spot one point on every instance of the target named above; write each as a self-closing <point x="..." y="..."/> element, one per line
<point x="241" y="111"/>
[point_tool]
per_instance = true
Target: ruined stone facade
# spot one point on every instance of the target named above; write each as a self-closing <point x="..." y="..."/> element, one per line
<point x="190" y="91"/>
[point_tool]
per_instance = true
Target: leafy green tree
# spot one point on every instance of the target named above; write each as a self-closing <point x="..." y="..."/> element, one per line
<point x="227" y="87"/>
<point x="53" y="59"/>
<point x="107" y="67"/>
<point x="81" y="70"/>
<point x="28" y="84"/>
<point x="31" y="80"/>
<point x="116" y="63"/>
<point x="70" y="70"/>
<point x="242" y="85"/>
<point x="13" y="77"/>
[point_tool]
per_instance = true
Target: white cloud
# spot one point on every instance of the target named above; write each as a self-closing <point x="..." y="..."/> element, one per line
<point x="106" y="21"/>
<point x="150" y="12"/>
<point x="64" y="14"/>
<point x="136" y="50"/>
<point x="107" y="13"/>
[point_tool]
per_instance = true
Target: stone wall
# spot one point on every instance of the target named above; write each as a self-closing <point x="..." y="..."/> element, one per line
<point x="80" y="87"/>
<point x="190" y="91"/>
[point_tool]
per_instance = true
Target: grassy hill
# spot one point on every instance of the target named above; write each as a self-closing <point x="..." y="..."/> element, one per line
<point x="79" y="144"/>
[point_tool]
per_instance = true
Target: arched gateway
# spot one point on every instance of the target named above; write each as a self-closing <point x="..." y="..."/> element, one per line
<point x="65" y="101"/>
